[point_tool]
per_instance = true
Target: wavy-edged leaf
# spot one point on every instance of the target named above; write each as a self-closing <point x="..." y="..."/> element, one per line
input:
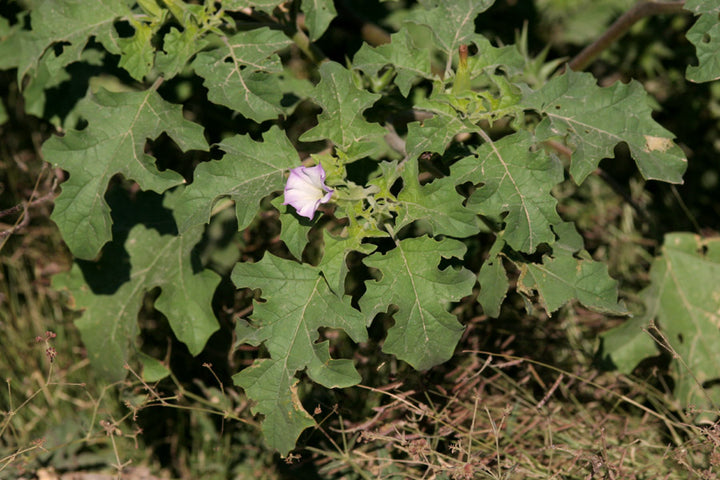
<point x="70" y="23"/>
<point x="436" y="203"/>
<point x="705" y="35"/>
<point x="113" y="142"/>
<point x="137" y="52"/>
<point x="342" y="121"/>
<point x="334" y="260"/>
<point x="298" y="303"/>
<point x="318" y="15"/>
<point x="242" y="73"/>
<point x="108" y="324"/>
<point x="178" y="48"/>
<point x="451" y="23"/>
<point x="248" y="171"/>
<point x="593" y="120"/>
<point x="515" y="178"/>
<point x="409" y="62"/>
<point x="563" y="277"/>
<point x="425" y="333"/>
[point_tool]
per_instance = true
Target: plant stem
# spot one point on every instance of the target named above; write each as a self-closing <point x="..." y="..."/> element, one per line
<point x="620" y="27"/>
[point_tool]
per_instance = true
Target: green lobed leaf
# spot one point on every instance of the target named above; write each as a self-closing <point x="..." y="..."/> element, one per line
<point x="294" y="228"/>
<point x="113" y="142"/>
<point x="248" y="172"/>
<point x="318" y="15"/>
<point x="298" y="302"/>
<point x="425" y="333"/>
<point x="137" y="51"/>
<point x="342" y="121"/>
<point x="178" y="48"/>
<point x="434" y="134"/>
<point x="683" y="300"/>
<point x="334" y="260"/>
<point x="108" y="324"/>
<point x="437" y="203"/>
<point x="593" y="120"/>
<point x="451" y="23"/>
<point x="705" y="35"/>
<point x="515" y="178"/>
<point x="409" y="62"/>
<point x="70" y="23"/>
<point x="242" y="73"/>
<point x="563" y="277"/>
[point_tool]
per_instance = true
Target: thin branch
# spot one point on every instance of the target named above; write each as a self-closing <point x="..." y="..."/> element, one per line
<point x="620" y="27"/>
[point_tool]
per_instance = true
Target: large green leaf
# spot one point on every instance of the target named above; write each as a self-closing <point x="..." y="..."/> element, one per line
<point x="593" y="120"/>
<point x="515" y="178"/>
<point x="113" y="142"/>
<point x="425" y="333"/>
<point x="342" y="121"/>
<point x="108" y="324"/>
<point x="297" y="303"/>
<point x="683" y="300"/>
<point x="242" y="73"/>
<point x="249" y="171"/>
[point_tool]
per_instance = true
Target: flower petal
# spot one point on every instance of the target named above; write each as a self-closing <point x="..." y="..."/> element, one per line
<point x="305" y="190"/>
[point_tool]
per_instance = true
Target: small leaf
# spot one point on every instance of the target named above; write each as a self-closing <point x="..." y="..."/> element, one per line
<point x="113" y="142"/>
<point x="318" y="15"/>
<point x="294" y="228"/>
<point x="153" y="369"/>
<point x="493" y="281"/>
<point x="593" y="120"/>
<point x="342" y="120"/>
<point x="425" y="333"/>
<point x="178" y="48"/>
<point x="434" y="134"/>
<point x="137" y="52"/>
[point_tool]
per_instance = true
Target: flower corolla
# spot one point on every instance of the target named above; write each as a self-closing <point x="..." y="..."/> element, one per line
<point x="305" y="190"/>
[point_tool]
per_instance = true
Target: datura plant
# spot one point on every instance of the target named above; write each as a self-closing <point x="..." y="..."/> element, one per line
<point x="422" y="145"/>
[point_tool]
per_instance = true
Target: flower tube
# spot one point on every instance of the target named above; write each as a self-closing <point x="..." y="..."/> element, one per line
<point x="305" y="190"/>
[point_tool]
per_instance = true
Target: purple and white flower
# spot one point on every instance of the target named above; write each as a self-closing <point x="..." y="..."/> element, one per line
<point x="306" y="190"/>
